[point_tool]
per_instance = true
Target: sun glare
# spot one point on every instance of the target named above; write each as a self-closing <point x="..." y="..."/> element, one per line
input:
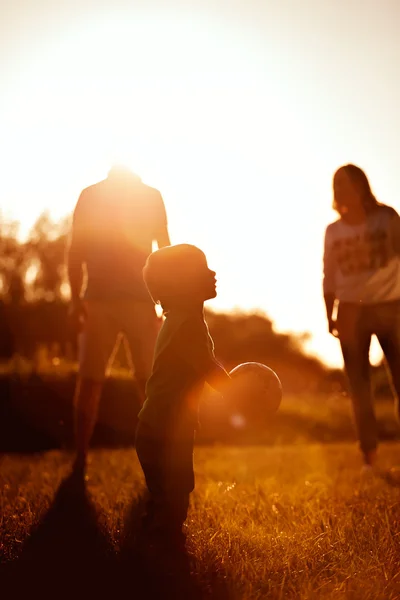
<point x="205" y="114"/>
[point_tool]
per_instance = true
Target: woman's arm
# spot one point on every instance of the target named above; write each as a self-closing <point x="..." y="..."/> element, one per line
<point x="330" y="301"/>
<point x="329" y="282"/>
<point x="395" y="230"/>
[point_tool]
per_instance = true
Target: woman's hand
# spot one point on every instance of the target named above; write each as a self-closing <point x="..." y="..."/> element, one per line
<point x="332" y="326"/>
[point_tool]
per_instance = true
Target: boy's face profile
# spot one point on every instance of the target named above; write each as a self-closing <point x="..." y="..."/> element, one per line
<point x="207" y="287"/>
<point x="210" y="286"/>
<point x="180" y="273"/>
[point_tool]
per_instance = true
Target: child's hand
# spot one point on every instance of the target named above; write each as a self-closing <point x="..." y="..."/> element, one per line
<point x="233" y="392"/>
<point x="213" y="396"/>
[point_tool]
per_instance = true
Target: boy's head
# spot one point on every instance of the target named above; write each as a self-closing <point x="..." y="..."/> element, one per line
<point x="179" y="274"/>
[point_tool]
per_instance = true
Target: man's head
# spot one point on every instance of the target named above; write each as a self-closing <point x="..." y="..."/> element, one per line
<point x="122" y="173"/>
<point x="177" y="275"/>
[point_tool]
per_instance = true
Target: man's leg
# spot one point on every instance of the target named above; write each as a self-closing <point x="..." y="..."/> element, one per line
<point x="86" y="405"/>
<point x="355" y="340"/>
<point x="95" y="347"/>
<point x="141" y="327"/>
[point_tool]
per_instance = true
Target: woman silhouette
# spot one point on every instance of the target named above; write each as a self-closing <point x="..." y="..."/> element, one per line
<point x="362" y="277"/>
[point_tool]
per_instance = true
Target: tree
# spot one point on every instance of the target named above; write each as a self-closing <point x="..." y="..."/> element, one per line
<point x="47" y="244"/>
<point x="14" y="263"/>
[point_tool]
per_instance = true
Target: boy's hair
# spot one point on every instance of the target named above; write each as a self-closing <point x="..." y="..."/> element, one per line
<point x="171" y="272"/>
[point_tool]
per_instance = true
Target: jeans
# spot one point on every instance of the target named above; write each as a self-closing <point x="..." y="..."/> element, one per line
<point x="167" y="463"/>
<point x="356" y="323"/>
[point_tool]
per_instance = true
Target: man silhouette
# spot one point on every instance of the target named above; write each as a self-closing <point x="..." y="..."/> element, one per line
<point x="115" y="223"/>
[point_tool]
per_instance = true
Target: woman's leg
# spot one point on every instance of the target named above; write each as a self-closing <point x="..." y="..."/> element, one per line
<point x="388" y="334"/>
<point x="355" y="339"/>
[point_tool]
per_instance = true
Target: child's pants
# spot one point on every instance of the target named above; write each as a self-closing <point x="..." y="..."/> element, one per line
<point x="356" y="325"/>
<point x="167" y="463"/>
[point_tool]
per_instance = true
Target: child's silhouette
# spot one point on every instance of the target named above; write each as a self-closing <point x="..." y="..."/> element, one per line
<point x="179" y="279"/>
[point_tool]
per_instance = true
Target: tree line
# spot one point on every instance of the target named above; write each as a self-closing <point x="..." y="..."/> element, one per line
<point x="34" y="311"/>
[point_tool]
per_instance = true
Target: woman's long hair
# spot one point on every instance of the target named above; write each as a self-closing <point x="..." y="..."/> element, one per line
<point x="359" y="178"/>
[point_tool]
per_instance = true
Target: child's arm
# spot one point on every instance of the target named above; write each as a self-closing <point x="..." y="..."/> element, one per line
<point x="218" y="378"/>
<point x="195" y="346"/>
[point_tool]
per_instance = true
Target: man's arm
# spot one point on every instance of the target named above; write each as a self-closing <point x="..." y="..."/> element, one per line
<point x="75" y="273"/>
<point x="161" y="229"/>
<point x="75" y="259"/>
<point x="163" y="238"/>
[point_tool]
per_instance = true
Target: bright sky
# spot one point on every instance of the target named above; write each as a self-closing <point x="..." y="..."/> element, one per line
<point x="239" y="112"/>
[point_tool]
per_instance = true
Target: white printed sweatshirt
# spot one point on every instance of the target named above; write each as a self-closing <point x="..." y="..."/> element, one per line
<point x="362" y="262"/>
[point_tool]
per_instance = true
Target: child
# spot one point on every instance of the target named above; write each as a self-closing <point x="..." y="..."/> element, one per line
<point x="179" y="279"/>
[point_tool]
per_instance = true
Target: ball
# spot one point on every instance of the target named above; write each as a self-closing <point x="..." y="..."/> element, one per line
<point x="257" y="389"/>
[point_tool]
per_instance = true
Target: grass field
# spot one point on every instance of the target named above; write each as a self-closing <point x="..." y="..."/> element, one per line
<point x="279" y="522"/>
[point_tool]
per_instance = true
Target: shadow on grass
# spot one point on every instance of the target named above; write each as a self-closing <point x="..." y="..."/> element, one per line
<point x="67" y="554"/>
<point x="157" y="576"/>
<point x="170" y="577"/>
<point x="391" y="477"/>
<point x="66" y="551"/>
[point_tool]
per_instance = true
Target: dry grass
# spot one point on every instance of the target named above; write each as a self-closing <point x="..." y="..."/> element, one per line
<point x="291" y="522"/>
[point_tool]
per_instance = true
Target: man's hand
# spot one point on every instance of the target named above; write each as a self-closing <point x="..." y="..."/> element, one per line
<point x="77" y="315"/>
